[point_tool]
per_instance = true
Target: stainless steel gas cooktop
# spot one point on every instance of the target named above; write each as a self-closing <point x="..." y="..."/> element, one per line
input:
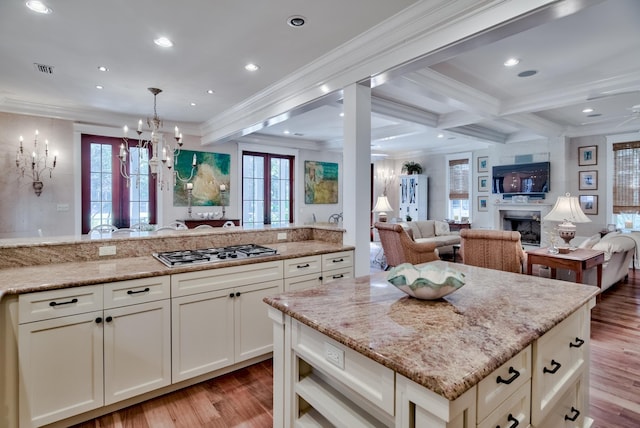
<point x="211" y="255"/>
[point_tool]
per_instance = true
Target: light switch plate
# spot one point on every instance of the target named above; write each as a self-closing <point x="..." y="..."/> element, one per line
<point x="108" y="250"/>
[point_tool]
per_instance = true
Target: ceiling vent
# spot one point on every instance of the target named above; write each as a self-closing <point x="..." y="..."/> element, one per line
<point x="42" y="68"/>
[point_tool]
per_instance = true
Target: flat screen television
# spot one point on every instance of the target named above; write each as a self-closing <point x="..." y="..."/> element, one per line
<point x="521" y="179"/>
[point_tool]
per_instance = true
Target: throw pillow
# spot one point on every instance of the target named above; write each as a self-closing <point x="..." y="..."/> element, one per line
<point x="590" y="242"/>
<point x="442" y="228"/>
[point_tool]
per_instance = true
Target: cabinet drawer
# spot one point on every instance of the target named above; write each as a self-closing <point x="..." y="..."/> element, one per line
<point x="332" y="261"/>
<point x="514" y="411"/>
<point x="184" y="284"/>
<point x="334" y="275"/>
<point x="302" y="282"/>
<point x="503" y="382"/>
<point x="124" y="293"/>
<point x="570" y="410"/>
<point x="59" y="303"/>
<point x="302" y="266"/>
<point x="345" y="366"/>
<point x="559" y="357"/>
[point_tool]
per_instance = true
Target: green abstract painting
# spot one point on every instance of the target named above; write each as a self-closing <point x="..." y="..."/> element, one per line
<point x="209" y="174"/>
<point x="320" y="182"/>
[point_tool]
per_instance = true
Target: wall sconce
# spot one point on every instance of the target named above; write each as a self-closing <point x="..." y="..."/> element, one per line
<point x="33" y="165"/>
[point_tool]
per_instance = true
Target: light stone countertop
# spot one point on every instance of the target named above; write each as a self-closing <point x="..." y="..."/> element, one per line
<point x="26" y="279"/>
<point x="446" y="345"/>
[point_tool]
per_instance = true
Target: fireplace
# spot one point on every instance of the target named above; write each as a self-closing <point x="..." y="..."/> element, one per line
<point x="525" y="222"/>
<point x="525" y="218"/>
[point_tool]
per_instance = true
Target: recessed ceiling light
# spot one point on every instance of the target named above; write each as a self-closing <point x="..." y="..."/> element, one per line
<point x="210" y="91"/>
<point x="99" y="87"/>
<point x="587" y="110"/>
<point x="286" y="131"/>
<point x="38" y="6"/>
<point x="527" y="73"/>
<point x="324" y="89"/>
<point x="511" y="62"/>
<point x="103" y="68"/>
<point x="251" y="67"/>
<point x="192" y="104"/>
<point x="296" y="21"/>
<point x="342" y="114"/>
<point x="163" y="42"/>
<point x="440" y="135"/>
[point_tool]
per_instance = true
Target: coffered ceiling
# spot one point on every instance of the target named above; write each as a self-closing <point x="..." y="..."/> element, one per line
<point x="463" y="98"/>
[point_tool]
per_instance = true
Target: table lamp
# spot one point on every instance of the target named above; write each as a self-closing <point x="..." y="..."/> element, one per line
<point x="382" y="208"/>
<point x="567" y="210"/>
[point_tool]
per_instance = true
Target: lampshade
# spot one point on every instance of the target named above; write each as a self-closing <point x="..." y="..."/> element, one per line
<point x="567" y="209"/>
<point x="382" y="205"/>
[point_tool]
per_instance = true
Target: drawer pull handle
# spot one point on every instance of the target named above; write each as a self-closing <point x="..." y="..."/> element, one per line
<point x="556" y="367"/>
<point x="146" y="290"/>
<point x="576" y="413"/>
<point x="578" y="343"/>
<point x="303" y="266"/>
<point x="515" y="374"/>
<point x="514" y="422"/>
<point x="337" y="276"/>
<point x="238" y="294"/>
<point x="108" y="319"/>
<point x="231" y="295"/>
<point x="54" y="304"/>
<point x="98" y="320"/>
<point x="338" y="260"/>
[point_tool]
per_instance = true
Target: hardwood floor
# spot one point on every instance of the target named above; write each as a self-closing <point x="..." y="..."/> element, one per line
<point x="244" y="398"/>
<point x="615" y="356"/>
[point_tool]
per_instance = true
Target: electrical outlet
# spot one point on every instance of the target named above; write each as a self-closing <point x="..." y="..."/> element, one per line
<point x="109" y="250"/>
<point x="63" y="207"/>
<point x="334" y="355"/>
<point x="282" y="235"/>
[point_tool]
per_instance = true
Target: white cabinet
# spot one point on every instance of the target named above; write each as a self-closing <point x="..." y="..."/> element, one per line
<point x="80" y="349"/>
<point x="306" y="272"/>
<point x="218" y="317"/>
<point x="413" y="197"/>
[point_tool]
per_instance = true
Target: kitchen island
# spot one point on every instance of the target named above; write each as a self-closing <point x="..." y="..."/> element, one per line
<point x="504" y="348"/>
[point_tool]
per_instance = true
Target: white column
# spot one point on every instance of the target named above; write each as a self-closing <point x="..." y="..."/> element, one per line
<point x="356" y="180"/>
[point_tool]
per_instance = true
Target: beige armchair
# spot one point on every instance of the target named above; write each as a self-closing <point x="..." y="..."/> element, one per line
<point x="493" y="249"/>
<point x="399" y="248"/>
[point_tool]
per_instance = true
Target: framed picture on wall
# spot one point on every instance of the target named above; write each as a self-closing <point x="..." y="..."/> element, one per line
<point x="483" y="203"/>
<point x="588" y="155"/>
<point x="588" y="180"/>
<point x="483" y="183"/>
<point x="589" y="204"/>
<point x="483" y="164"/>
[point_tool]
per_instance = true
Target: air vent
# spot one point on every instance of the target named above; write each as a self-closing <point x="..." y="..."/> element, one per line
<point x="42" y="68"/>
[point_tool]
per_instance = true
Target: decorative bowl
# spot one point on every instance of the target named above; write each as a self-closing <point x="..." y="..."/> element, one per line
<point x="426" y="283"/>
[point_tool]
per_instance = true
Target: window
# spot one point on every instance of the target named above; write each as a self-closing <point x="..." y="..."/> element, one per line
<point x="109" y="198"/>
<point x="626" y="185"/>
<point x="266" y="199"/>
<point x="458" y="183"/>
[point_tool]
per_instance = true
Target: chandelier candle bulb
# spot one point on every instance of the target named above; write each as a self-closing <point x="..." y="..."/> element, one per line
<point x="177" y="132"/>
<point x="125" y="129"/>
<point x="140" y="125"/>
<point x="194" y="160"/>
<point x="223" y="188"/>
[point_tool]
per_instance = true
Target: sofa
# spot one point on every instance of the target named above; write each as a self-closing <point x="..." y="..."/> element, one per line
<point x="432" y="231"/>
<point x="619" y="254"/>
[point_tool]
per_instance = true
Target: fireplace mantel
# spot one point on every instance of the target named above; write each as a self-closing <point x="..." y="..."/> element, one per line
<point x="501" y="208"/>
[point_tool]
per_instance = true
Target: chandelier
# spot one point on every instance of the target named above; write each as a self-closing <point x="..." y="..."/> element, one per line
<point x="163" y="154"/>
<point x="34" y="164"/>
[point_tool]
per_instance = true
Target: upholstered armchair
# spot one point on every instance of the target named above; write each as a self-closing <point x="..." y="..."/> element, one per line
<point x="399" y="248"/>
<point x="493" y="249"/>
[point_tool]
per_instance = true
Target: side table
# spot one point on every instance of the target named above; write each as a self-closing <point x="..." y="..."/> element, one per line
<point x="578" y="261"/>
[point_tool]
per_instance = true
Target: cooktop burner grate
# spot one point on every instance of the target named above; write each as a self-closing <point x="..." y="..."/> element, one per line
<point x="210" y="255"/>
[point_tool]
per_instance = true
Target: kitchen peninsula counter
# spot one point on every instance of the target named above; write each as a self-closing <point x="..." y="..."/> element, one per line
<point x="446" y="346"/>
<point x="26" y="279"/>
